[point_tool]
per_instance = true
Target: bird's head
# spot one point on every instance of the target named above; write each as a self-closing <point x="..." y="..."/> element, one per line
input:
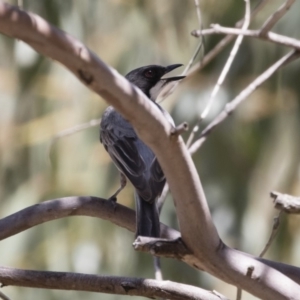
<point x="149" y="79"/>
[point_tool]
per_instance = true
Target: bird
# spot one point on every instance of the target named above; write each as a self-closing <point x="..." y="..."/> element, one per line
<point x="132" y="157"/>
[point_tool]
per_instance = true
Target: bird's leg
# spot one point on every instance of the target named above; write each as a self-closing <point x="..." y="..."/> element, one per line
<point x="123" y="181"/>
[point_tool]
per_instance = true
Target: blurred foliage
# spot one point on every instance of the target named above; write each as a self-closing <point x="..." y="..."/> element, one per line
<point x="255" y="151"/>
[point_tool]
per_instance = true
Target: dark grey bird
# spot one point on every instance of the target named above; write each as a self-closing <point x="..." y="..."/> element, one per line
<point x="134" y="159"/>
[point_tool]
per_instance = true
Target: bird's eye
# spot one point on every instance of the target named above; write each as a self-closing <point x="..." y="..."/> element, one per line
<point x="149" y="74"/>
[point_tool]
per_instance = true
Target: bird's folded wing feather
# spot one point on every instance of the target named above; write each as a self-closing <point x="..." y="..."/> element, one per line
<point x="122" y="144"/>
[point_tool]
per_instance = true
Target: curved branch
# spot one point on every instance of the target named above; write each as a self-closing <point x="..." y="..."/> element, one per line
<point x="104" y="284"/>
<point x="198" y="231"/>
<point x="74" y="206"/>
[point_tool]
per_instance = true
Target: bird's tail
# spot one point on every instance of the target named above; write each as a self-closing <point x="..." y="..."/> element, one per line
<point x="147" y="218"/>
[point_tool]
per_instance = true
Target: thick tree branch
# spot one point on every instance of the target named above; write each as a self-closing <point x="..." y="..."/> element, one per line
<point x="104" y="284"/>
<point x="197" y="229"/>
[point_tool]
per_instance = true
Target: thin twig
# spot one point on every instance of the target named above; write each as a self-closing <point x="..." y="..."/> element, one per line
<point x="162" y="198"/>
<point x="173" y="86"/>
<point x="272" y="37"/>
<point x="198" y="13"/>
<point x="75" y="129"/>
<point x="273" y="19"/>
<point x="224" y="42"/>
<point x="72" y="130"/>
<point x="228" y="63"/>
<point x="276" y="223"/>
<point x="232" y="105"/>
<point x="157" y="268"/>
<point x="223" y="73"/>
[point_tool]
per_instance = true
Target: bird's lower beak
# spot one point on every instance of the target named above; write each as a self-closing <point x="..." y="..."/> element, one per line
<point x="171" y="68"/>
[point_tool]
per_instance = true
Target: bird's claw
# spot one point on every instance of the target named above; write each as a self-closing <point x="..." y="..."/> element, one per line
<point x="113" y="201"/>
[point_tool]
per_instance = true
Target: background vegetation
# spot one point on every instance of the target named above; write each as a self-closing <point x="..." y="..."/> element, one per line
<point x="255" y="151"/>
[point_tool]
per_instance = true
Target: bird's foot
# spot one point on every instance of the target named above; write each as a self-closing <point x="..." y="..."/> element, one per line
<point x="113" y="201"/>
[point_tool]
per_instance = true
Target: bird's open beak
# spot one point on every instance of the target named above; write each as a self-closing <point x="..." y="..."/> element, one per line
<point x="171" y="68"/>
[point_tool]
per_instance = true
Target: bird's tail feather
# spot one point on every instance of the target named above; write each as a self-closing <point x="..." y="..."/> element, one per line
<point x="147" y="218"/>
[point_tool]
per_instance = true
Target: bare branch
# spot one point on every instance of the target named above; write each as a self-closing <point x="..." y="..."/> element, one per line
<point x="77" y="128"/>
<point x="157" y="268"/>
<point x="74" y="206"/>
<point x="171" y="87"/>
<point x="270" y="36"/>
<point x="276" y="223"/>
<point x="224" y="42"/>
<point x="287" y="203"/>
<point x="222" y="75"/>
<point x="197" y="229"/>
<point x="162" y="198"/>
<point x="228" y="63"/>
<point x="72" y="130"/>
<point x="198" y="13"/>
<point x="273" y="19"/>
<point x="174" y="85"/>
<point x="104" y="284"/>
<point x="232" y="105"/>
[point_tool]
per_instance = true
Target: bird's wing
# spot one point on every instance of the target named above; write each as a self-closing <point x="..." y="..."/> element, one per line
<point x="129" y="155"/>
<point x="156" y="172"/>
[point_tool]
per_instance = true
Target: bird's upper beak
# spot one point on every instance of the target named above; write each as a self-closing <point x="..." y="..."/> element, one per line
<point x="171" y="68"/>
